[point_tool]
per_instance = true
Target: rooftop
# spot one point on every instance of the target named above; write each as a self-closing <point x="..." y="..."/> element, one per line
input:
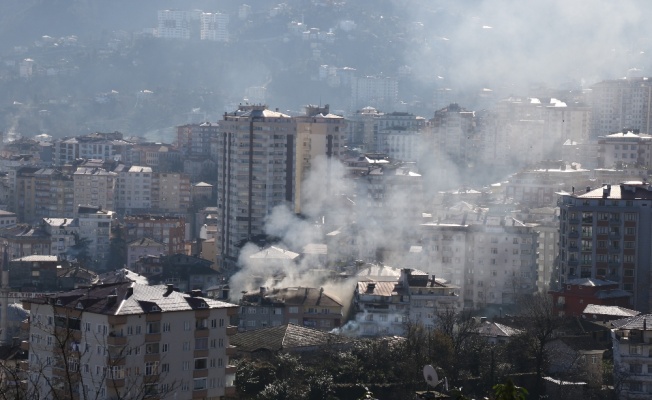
<point x="614" y="311"/>
<point x="284" y="337"/>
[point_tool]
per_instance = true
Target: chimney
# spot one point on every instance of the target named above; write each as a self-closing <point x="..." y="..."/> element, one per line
<point x="263" y="290"/>
<point x="588" y="189"/>
<point x="371" y="287"/>
<point x="169" y="288"/>
<point x="606" y="190"/>
<point x="195" y="293"/>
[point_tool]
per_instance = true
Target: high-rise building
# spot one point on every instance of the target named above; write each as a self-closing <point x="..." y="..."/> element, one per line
<point x="127" y="339"/>
<point x="453" y="134"/>
<point x="374" y="91"/>
<point x="605" y="233"/>
<point x="94" y="186"/>
<point x="214" y="26"/>
<point x="320" y="135"/>
<point x="178" y="24"/>
<point x="621" y="103"/>
<point x="255" y="174"/>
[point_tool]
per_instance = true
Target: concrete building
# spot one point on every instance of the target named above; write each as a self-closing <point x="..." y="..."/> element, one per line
<point x="170" y="193"/>
<point x="195" y="139"/>
<point x="165" y="229"/>
<point x="126" y="338"/>
<point x="178" y="24"/>
<point x="95" y="225"/>
<point x="496" y="255"/>
<point x="621" y="103"/>
<point x="134" y="189"/>
<point x="25" y="240"/>
<point x="62" y="234"/>
<point x="625" y="149"/>
<point x="374" y="91"/>
<point x="452" y="134"/>
<point x="605" y="234"/>
<point x="214" y="27"/>
<point x="320" y="136"/>
<point x="311" y="307"/>
<point x="95" y="186"/>
<point x="144" y="247"/>
<point x="632" y="347"/>
<point x="384" y="307"/>
<point x="255" y="174"/>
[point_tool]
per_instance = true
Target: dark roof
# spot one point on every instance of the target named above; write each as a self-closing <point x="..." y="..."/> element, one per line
<point x="296" y="296"/>
<point x="636" y="322"/>
<point x="583" y="342"/>
<point x="284" y="337"/>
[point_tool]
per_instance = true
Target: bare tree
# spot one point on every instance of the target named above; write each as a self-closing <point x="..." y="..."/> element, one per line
<point x="63" y="363"/>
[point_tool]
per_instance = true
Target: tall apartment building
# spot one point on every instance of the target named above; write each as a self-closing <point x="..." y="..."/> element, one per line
<point x="605" y="233"/>
<point x="452" y="133"/>
<point x="320" y="135"/>
<point x="126" y="340"/>
<point x="255" y="174"/>
<point x="41" y="193"/>
<point x="178" y="24"/>
<point x="94" y="186"/>
<point x="214" y="27"/>
<point x="378" y="92"/>
<point x="621" y="103"/>
<point x="195" y="139"/>
<point x="632" y="346"/>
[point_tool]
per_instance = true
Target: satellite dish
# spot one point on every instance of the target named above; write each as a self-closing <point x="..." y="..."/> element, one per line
<point x="430" y="375"/>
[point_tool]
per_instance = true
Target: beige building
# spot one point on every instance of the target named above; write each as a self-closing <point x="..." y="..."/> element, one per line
<point x="134" y="189"/>
<point x="170" y="193"/>
<point x="320" y="134"/>
<point x="94" y="186"/>
<point x="127" y="340"/>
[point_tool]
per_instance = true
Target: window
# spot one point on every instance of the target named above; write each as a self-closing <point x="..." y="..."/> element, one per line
<point x="630" y="216"/>
<point x="201" y="343"/>
<point x="201" y="323"/>
<point x="199" y="384"/>
<point x="87" y="326"/>
<point x="151" y="368"/>
<point x="201" y="363"/>
<point x="293" y="310"/>
<point x="186" y="325"/>
<point x="153" y="327"/>
<point x="165" y="347"/>
<point x="186" y="346"/>
<point x="152" y="348"/>
<point x="213" y="323"/>
<point x="635" y="368"/>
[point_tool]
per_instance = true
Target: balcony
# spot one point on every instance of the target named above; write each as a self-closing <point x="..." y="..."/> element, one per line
<point x="114" y="340"/>
<point x="231" y="330"/>
<point x="230" y="369"/>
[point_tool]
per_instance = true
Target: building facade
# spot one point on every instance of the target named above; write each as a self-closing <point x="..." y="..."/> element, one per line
<point x="126" y="339"/>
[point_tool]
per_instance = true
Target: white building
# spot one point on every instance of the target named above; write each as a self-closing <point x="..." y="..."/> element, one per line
<point x="214" y="27"/>
<point x="384" y="307"/>
<point x="632" y="348"/>
<point x="127" y="339"/>
<point x="134" y="189"/>
<point x="95" y="225"/>
<point x="177" y="24"/>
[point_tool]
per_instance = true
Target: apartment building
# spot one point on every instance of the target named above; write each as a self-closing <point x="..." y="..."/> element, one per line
<point x="170" y="193"/>
<point x="452" y="133"/>
<point x="368" y="127"/>
<point x="62" y="234"/>
<point x="384" y="307"/>
<point x="305" y="306"/>
<point x="94" y="186"/>
<point x="621" y="103"/>
<point x="195" y="139"/>
<point x="632" y="347"/>
<point x="41" y="193"/>
<point x="605" y="233"/>
<point x="129" y="340"/>
<point x="255" y="174"/>
<point x="214" y="27"/>
<point x="169" y="230"/>
<point x="95" y="225"/>
<point x="497" y="257"/>
<point x="25" y="240"/>
<point x="134" y="189"/>
<point x="623" y="149"/>
<point x="320" y="136"/>
<point x="375" y="91"/>
<point x="178" y="24"/>
<point x="143" y="247"/>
